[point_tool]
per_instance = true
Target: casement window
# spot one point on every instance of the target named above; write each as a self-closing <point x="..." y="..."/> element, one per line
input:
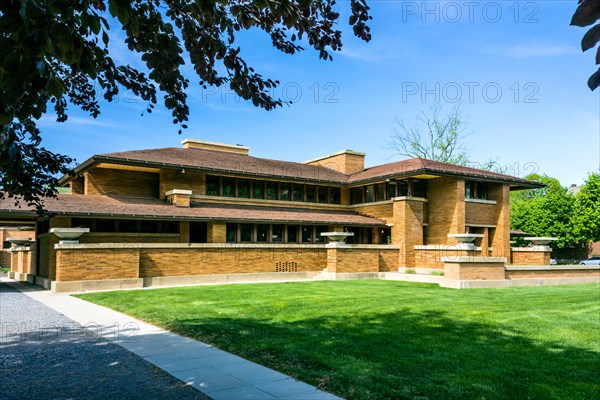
<point x="388" y="190"/>
<point x="271" y="190"/>
<point x="125" y="225"/>
<point x="476" y="190"/>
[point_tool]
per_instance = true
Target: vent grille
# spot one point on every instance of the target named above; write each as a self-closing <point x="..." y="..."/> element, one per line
<point x="286" y="266"/>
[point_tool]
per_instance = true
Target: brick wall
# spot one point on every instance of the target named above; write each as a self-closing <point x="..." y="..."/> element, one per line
<point x="5" y="258"/>
<point x="21" y="261"/>
<point x="95" y="264"/>
<point x="531" y="257"/>
<point x="474" y="271"/>
<point x="433" y="258"/>
<point x="114" y="182"/>
<point x="445" y="209"/>
<point x="9" y="232"/>
<point x="480" y="214"/>
<point x="190" y="180"/>
<point x="549" y="273"/>
<point x="230" y="260"/>
<point x="382" y="211"/>
<point x="389" y="260"/>
<point x="47" y="255"/>
<point x="346" y="260"/>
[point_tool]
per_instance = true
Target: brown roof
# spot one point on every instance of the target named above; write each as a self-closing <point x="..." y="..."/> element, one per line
<point x="112" y="206"/>
<point x="210" y="160"/>
<point x="416" y="166"/>
<point x="224" y="162"/>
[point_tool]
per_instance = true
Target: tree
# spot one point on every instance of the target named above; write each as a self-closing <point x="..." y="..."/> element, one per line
<point x="435" y="137"/>
<point x="546" y="211"/>
<point x="586" y="215"/>
<point x="56" y="53"/>
<point x="586" y="14"/>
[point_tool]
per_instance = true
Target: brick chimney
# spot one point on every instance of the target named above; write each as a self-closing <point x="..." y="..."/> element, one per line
<point x="203" y="144"/>
<point x="179" y="197"/>
<point x="345" y="161"/>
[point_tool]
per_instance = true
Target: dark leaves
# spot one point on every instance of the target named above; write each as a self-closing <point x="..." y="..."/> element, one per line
<point x="587" y="13"/>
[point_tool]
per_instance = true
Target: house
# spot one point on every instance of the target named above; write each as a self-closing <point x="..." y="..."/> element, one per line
<point x="209" y="210"/>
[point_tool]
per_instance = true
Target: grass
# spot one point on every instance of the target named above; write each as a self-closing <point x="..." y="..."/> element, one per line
<point x="395" y="340"/>
<point x="4" y="270"/>
<point x="437" y="273"/>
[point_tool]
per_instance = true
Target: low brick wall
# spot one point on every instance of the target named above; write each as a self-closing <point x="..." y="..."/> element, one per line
<point x="530" y="256"/>
<point x="5" y="258"/>
<point x="144" y="260"/>
<point x="20" y="260"/>
<point x="362" y="258"/>
<point x="430" y="256"/>
<point x="554" y="271"/>
<point x="474" y="268"/>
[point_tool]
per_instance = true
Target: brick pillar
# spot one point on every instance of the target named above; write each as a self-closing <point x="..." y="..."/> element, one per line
<point x="184" y="232"/>
<point x="217" y="232"/>
<point x="501" y="238"/>
<point x="408" y="229"/>
<point x="179" y="197"/>
<point x="485" y="240"/>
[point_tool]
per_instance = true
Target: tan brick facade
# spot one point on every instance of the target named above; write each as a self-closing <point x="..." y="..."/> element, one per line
<point x="344" y="162"/>
<point x="382" y="210"/>
<point x="474" y="271"/>
<point x="190" y="180"/>
<point x="433" y="258"/>
<point x="91" y="264"/>
<point x="407" y="230"/>
<point x="531" y="257"/>
<point x="111" y="182"/>
<point x="446" y="209"/>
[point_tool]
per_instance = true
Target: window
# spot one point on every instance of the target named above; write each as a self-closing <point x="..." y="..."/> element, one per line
<point x="297" y="192"/>
<point x="82" y="223"/>
<point x="6" y="244"/>
<point x="391" y="189"/>
<point x="292" y="233"/>
<point x="476" y="190"/>
<point x="370" y="193"/>
<point x="228" y="187"/>
<point x="358" y="195"/>
<point x="262" y="233"/>
<point x="335" y="195"/>
<point x="322" y="194"/>
<point x="271" y="190"/>
<point x="258" y="189"/>
<point x="169" y="227"/>
<point x="318" y="230"/>
<point x="311" y="194"/>
<point x="402" y="188"/>
<point x="213" y="186"/>
<point x="243" y="188"/>
<point x="284" y="191"/>
<point x="245" y="232"/>
<point x="127" y="226"/>
<point x="307" y="234"/>
<point x="380" y="192"/>
<point x="419" y="188"/>
<point x="231" y="233"/>
<point x="106" y="225"/>
<point x="277" y="234"/>
<point x="149" y="226"/>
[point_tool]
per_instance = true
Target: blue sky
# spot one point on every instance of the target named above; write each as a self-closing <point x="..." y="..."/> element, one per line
<point x="515" y="68"/>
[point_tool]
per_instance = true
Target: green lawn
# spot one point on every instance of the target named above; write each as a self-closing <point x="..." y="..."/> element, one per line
<point x="395" y="340"/>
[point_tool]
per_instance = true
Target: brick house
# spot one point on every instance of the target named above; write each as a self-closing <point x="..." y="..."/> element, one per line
<point x="212" y="209"/>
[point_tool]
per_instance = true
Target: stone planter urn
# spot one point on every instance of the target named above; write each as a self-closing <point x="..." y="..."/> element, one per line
<point x="16" y="242"/>
<point x="68" y="235"/>
<point x="540" y="241"/>
<point x="336" y="239"/>
<point x="465" y="240"/>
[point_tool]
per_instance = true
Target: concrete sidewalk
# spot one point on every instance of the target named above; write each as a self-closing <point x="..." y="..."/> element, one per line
<point x="218" y="374"/>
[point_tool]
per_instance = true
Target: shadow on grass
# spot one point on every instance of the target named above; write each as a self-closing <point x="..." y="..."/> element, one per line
<point x="406" y="355"/>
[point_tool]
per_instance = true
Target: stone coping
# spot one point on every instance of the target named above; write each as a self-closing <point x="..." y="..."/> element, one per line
<point x="469" y="259"/>
<point x="346" y="246"/>
<point x="552" y="267"/>
<point x="480" y="201"/>
<point x="284" y="246"/>
<point x="84" y="246"/>
<point x="19" y="248"/>
<point x="178" y="191"/>
<point x="443" y="247"/>
<point x="405" y="198"/>
<point x="535" y="249"/>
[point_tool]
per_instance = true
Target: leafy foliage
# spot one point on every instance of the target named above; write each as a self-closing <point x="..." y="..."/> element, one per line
<point x="586" y="218"/>
<point x="56" y="53"/>
<point x="434" y="137"/>
<point x="552" y="211"/>
<point x="588" y="13"/>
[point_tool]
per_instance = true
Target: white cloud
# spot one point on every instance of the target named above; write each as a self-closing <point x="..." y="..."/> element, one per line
<point x="48" y="120"/>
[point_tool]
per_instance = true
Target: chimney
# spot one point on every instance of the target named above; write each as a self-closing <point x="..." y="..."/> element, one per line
<point x="203" y="144"/>
<point x="345" y="161"/>
<point x="179" y="197"/>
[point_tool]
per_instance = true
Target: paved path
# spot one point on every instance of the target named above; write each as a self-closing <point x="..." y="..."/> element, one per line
<point x="216" y="373"/>
<point x="45" y="355"/>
